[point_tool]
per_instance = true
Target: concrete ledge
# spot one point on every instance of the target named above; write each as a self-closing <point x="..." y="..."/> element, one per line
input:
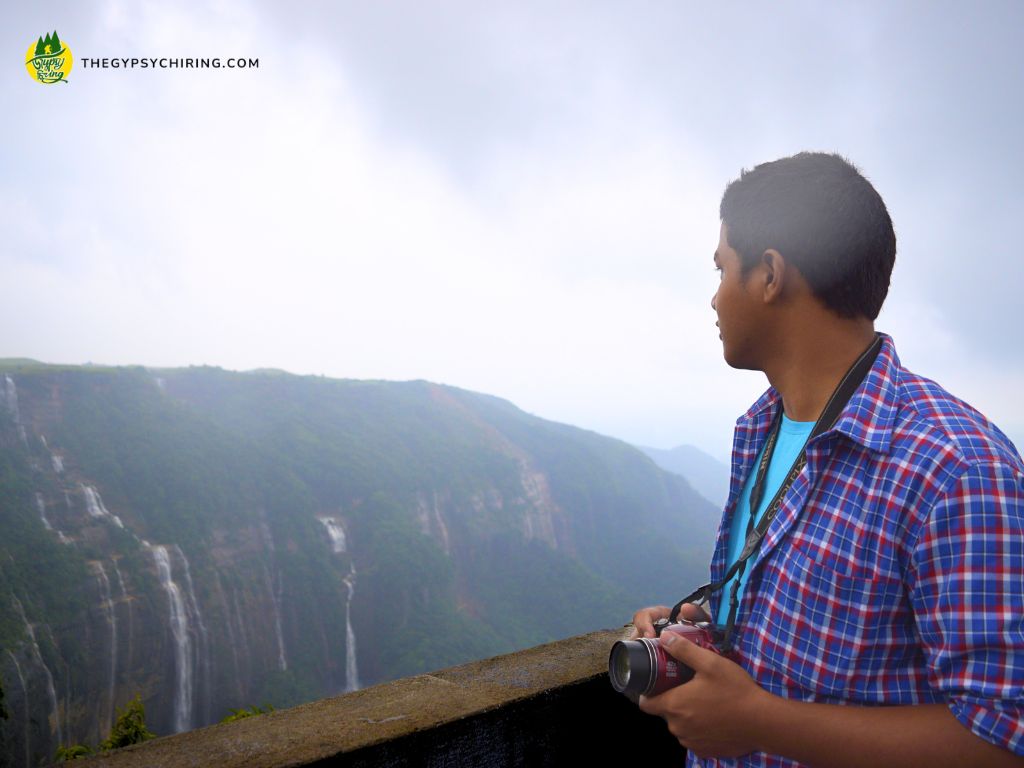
<point x="541" y="706"/>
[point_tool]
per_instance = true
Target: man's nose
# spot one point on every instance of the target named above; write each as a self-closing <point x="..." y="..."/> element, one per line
<point x="714" y="298"/>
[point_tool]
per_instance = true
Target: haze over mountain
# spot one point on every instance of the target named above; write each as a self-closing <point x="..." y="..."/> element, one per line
<point x="213" y="540"/>
<point x="708" y="475"/>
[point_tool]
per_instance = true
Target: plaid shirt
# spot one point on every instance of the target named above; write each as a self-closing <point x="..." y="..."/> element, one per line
<point x="894" y="571"/>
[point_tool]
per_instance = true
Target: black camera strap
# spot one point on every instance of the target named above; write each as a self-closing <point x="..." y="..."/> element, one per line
<point x="755" y="533"/>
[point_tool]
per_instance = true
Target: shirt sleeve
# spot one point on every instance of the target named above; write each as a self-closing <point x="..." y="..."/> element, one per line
<point x="968" y="600"/>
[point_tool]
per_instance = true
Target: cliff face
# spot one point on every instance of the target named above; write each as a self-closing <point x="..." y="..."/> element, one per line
<point x="213" y="540"/>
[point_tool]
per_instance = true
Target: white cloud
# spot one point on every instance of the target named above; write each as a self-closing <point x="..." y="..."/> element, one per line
<point x="555" y="252"/>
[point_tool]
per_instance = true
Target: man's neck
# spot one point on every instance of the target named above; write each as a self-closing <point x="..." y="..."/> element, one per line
<point x="813" y="359"/>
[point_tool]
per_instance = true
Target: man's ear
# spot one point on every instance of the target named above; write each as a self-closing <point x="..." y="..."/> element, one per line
<point x="773" y="274"/>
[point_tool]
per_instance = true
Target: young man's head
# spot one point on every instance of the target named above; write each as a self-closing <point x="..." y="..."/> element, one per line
<point x="825" y="219"/>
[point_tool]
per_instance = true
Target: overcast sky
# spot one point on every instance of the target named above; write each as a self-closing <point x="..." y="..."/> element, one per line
<point x="514" y="198"/>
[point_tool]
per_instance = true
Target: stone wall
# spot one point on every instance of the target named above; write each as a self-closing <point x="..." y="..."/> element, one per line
<point x="548" y="705"/>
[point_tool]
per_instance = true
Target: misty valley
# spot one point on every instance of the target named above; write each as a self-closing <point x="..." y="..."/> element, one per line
<point x="208" y="540"/>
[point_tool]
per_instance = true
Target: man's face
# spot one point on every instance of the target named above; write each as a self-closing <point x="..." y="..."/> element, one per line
<point x="738" y="308"/>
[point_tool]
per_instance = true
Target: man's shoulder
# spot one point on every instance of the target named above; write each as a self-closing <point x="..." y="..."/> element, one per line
<point x="932" y="423"/>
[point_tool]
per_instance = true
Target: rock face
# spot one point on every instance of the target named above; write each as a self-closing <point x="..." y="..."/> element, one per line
<point x="212" y="540"/>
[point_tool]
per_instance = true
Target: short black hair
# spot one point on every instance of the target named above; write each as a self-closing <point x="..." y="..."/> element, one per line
<point x="825" y="218"/>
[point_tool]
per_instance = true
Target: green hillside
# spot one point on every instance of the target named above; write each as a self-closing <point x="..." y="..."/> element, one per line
<point x="467" y="528"/>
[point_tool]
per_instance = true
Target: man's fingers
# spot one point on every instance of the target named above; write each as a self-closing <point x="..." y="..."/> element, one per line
<point x="642" y="627"/>
<point x="643" y="623"/>
<point x="691" y="654"/>
<point x="692" y="612"/>
<point x="643" y="620"/>
<point x="651" y="705"/>
<point x="681" y="649"/>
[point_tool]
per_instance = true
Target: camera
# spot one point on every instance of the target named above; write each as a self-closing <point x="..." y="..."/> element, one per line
<point x="642" y="668"/>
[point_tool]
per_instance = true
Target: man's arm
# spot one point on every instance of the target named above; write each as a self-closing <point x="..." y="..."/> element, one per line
<point x="722" y="712"/>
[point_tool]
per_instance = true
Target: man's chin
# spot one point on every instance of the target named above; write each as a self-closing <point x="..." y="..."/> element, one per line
<point x="738" y="362"/>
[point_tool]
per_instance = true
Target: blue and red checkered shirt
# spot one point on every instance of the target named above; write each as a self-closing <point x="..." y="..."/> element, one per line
<point x="894" y="571"/>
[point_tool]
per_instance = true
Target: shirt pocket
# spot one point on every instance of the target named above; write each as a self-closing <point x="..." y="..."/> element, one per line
<point x="830" y="624"/>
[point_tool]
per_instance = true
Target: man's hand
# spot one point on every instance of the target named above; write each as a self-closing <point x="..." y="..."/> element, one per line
<point x="722" y="712"/>
<point x="643" y="620"/>
<point x="712" y="714"/>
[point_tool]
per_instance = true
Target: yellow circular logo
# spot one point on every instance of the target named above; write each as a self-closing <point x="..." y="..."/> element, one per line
<point x="49" y="60"/>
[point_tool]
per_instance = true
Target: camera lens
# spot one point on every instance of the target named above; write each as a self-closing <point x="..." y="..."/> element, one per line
<point x="630" y="666"/>
<point x="618" y="667"/>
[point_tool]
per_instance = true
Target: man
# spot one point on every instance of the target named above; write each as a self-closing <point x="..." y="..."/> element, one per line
<point x="881" y="619"/>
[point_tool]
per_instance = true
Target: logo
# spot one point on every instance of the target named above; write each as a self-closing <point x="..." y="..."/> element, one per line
<point x="49" y="60"/>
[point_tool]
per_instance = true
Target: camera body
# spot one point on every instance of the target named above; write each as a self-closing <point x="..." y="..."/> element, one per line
<point x="641" y="667"/>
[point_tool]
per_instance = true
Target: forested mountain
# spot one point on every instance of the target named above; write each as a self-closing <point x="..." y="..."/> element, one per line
<point x="213" y="540"/>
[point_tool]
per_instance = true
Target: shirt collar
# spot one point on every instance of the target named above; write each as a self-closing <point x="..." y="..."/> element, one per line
<point x="868" y="417"/>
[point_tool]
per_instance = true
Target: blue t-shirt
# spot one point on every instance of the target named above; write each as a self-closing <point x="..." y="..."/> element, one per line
<point x="792" y="437"/>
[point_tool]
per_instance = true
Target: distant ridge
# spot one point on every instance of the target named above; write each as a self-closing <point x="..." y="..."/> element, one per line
<point x="708" y="476"/>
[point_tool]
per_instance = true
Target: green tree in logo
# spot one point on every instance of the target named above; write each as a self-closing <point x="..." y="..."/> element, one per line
<point x="49" y="45"/>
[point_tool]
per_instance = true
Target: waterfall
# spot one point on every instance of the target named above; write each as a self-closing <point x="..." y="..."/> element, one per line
<point x="24" y="690"/>
<point x="10" y="400"/>
<point x="275" y="596"/>
<point x="339" y="544"/>
<point x="432" y="521"/>
<point x="351" y="668"/>
<point x="229" y="624"/>
<point x="128" y="604"/>
<point x="107" y="604"/>
<point x="336" y="533"/>
<point x="51" y="691"/>
<point x="55" y="459"/>
<point x="94" y="505"/>
<point x="242" y="630"/>
<point x="202" y="661"/>
<point x="41" y="506"/>
<point x="182" y="641"/>
<point x="445" y="540"/>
